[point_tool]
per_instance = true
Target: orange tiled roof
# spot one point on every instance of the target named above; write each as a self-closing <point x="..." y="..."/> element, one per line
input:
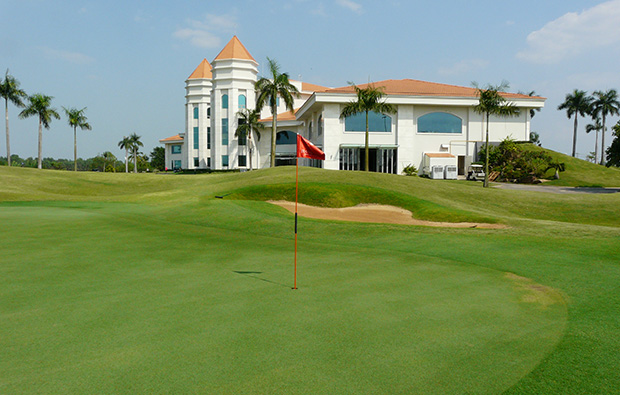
<point x="422" y="88"/>
<point x="202" y="71"/>
<point x="171" y="139"/>
<point x="234" y="50"/>
<point x="283" y="116"/>
<point x="438" y="155"/>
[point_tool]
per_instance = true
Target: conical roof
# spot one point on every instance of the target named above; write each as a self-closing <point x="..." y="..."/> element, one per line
<point x="202" y="71"/>
<point x="234" y="50"/>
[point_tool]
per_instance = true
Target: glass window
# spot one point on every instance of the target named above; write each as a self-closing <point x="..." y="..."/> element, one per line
<point x="225" y="160"/>
<point x="208" y="112"/>
<point x="209" y="162"/>
<point x="196" y="138"/>
<point x="224" y="101"/>
<point x="195" y="112"/>
<point x="176" y="149"/>
<point x="242" y="161"/>
<point x="208" y="137"/>
<point x="320" y="125"/>
<point x="196" y="162"/>
<point x="224" y="131"/>
<point x="286" y="137"/>
<point x="377" y="122"/>
<point x="310" y="130"/>
<point x="176" y="164"/>
<point x="242" y="136"/>
<point x="278" y="101"/>
<point x="242" y="101"/>
<point x="439" y="122"/>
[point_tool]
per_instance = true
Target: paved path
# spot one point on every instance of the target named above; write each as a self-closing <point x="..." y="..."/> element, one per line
<point x="555" y="189"/>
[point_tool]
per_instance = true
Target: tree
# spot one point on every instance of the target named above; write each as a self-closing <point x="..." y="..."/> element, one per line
<point x="134" y="141"/>
<point x="76" y="119"/>
<point x="108" y="158"/>
<point x="596" y="127"/>
<point x="249" y="124"/>
<point x="9" y="90"/>
<point x="268" y="92"/>
<point x="613" y="152"/>
<point x="605" y="103"/>
<point x="125" y="144"/>
<point x="368" y="99"/>
<point x="491" y="102"/>
<point x="535" y="138"/>
<point x="40" y="105"/>
<point x="577" y="103"/>
<point x="158" y="158"/>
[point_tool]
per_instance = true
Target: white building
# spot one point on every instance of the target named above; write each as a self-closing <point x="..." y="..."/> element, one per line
<point x="430" y="118"/>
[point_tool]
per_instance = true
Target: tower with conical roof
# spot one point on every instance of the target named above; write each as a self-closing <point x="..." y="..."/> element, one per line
<point x="234" y="73"/>
<point x="196" y="145"/>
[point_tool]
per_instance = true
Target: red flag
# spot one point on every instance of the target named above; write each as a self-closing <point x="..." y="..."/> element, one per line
<point x="305" y="149"/>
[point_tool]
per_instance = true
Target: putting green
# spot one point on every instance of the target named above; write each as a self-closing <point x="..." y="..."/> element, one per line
<point x="120" y="298"/>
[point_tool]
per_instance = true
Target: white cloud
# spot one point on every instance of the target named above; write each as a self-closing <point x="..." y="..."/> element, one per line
<point x="71" y="57"/>
<point x="200" y="32"/>
<point x="464" y="66"/>
<point x="353" y="6"/>
<point x="574" y="33"/>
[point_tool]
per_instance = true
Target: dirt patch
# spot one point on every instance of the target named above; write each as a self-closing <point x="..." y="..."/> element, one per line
<point x="374" y="213"/>
<point x="532" y="292"/>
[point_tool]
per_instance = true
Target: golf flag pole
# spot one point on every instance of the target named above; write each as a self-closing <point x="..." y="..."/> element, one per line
<point x="305" y="149"/>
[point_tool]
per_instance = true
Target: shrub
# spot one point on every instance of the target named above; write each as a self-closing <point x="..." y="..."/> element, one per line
<point x="410" y="170"/>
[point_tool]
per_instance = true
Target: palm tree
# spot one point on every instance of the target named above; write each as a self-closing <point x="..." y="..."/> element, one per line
<point x="108" y="156"/>
<point x="368" y="99"/>
<point x="134" y="141"/>
<point x="268" y="92"/>
<point x="596" y="126"/>
<point x="491" y="102"/>
<point x="40" y="105"/>
<point x="577" y="103"/>
<point x="125" y="144"/>
<point x="9" y="90"/>
<point x="248" y="124"/>
<point x="76" y="119"/>
<point x="605" y="103"/>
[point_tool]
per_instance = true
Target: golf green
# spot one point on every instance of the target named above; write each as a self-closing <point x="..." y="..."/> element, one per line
<point x="103" y="297"/>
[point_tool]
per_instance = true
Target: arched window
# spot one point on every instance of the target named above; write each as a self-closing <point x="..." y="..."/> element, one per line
<point x="439" y="122"/>
<point x="310" y="130"/>
<point x="320" y="125"/>
<point x="242" y="101"/>
<point x="195" y="112"/>
<point x="286" y="137"/>
<point x="377" y="122"/>
<point x="224" y="101"/>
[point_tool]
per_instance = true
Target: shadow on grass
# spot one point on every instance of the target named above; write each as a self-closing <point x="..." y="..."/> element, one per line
<point x="253" y="274"/>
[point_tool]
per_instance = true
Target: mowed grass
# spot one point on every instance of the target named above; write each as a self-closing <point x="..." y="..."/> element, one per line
<point x="148" y="284"/>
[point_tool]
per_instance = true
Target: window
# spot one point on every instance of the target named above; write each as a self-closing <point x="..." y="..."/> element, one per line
<point x="209" y="163"/>
<point x="208" y="112"/>
<point x="377" y="122"/>
<point x="176" y="149"/>
<point x="196" y="138"/>
<point x="196" y="162"/>
<point x="242" y="161"/>
<point x="176" y="164"/>
<point x="195" y="112"/>
<point x="310" y="130"/>
<point x="208" y="137"/>
<point x="242" y="136"/>
<point x="320" y="125"/>
<point x="439" y="122"/>
<point x="224" y="101"/>
<point x="224" y="131"/>
<point x="242" y="101"/>
<point x="278" y="101"/>
<point x="286" y="137"/>
<point x="225" y="160"/>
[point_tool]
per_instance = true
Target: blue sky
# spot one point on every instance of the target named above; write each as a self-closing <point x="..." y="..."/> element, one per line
<point x="127" y="61"/>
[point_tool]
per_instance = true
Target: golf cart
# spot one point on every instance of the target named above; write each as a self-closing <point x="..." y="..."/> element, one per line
<point x="475" y="173"/>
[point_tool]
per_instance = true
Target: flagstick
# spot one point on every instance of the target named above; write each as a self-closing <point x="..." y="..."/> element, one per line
<point x="296" y="194"/>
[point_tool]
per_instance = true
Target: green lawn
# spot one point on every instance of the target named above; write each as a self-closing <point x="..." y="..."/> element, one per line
<point x="115" y="283"/>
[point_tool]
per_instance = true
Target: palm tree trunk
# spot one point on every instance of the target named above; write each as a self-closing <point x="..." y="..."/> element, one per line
<point x="603" y="142"/>
<point x="40" y="144"/>
<point x="274" y="112"/>
<point x="486" y="156"/>
<point x="575" y="135"/>
<point x="366" y="168"/>
<point x="74" y="149"/>
<point x="126" y="160"/>
<point x="250" y="147"/>
<point x="135" y="160"/>
<point x="596" y="147"/>
<point x="8" y="143"/>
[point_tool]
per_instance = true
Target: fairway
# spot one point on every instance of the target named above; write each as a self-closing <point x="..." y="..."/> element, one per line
<point x="142" y="290"/>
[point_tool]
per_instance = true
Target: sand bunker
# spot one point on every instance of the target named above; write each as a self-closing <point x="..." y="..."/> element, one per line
<point x="376" y="213"/>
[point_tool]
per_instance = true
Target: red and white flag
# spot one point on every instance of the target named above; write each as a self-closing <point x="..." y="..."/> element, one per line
<point x="305" y="149"/>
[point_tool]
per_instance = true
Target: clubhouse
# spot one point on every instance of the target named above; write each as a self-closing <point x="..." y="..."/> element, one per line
<point x="432" y="120"/>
